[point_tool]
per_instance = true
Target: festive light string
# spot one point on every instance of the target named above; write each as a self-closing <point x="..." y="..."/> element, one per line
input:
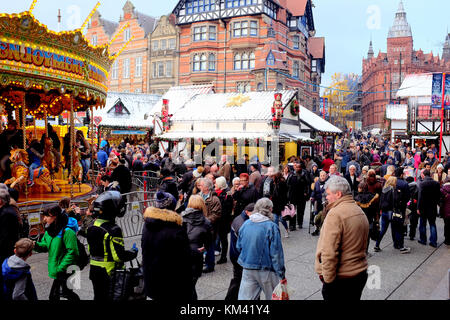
<point x="89" y="16"/>
<point x="123" y="48"/>
<point x="335" y="89"/>
<point x="33" y="4"/>
<point x="127" y="25"/>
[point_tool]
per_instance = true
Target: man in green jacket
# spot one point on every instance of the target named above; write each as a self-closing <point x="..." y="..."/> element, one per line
<point x="60" y="241"/>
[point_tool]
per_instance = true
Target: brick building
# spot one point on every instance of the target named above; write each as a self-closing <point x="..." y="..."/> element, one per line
<point x="250" y="45"/>
<point x="384" y="73"/>
<point x="163" y="57"/>
<point x="129" y="72"/>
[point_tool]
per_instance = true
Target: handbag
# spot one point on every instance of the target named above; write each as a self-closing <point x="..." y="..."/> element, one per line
<point x="281" y="291"/>
<point x="127" y="284"/>
<point x="289" y="210"/>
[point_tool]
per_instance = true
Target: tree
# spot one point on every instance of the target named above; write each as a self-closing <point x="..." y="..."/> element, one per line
<point x="337" y="96"/>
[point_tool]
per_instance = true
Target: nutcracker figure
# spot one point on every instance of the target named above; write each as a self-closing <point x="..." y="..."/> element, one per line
<point x="165" y="116"/>
<point x="277" y="111"/>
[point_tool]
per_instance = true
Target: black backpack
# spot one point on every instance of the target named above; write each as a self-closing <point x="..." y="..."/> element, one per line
<point x="83" y="257"/>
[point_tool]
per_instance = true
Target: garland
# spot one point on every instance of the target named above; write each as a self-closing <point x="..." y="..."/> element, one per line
<point x="295" y="108"/>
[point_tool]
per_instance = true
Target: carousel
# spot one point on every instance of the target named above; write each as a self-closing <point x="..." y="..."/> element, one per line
<point x="47" y="74"/>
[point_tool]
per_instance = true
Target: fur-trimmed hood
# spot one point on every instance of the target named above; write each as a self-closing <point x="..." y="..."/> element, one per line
<point x="164" y="215"/>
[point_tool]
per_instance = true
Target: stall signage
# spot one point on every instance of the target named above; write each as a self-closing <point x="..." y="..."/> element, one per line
<point x="128" y="132"/>
<point x="50" y="60"/>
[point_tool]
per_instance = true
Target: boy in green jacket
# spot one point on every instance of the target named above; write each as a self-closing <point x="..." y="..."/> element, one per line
<point x="60" y="241"/>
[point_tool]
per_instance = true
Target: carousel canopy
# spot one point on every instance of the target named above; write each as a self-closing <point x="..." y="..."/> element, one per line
<point x="127" y="110"/>
<point x="48" y="71"/>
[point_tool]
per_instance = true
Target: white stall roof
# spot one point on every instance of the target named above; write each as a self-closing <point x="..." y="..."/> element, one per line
<point x="397" y="111"/>
<point x="213" y="107"/>
<point x="179" y="96"/>
<point x="132" y="113"/>
<point x="416" y="85"/>
<point x="316" y="122"/>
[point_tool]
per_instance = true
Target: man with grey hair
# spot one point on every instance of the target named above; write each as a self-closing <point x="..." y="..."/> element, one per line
<point x="341" y="260"/>
<point x="261" y="253"/>
<point x="213" y="214"/>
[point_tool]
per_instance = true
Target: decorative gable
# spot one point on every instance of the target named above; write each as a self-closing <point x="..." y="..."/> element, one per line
<point x="119" y="109"/>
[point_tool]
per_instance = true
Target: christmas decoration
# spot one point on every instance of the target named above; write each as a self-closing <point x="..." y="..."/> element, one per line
<point x="295" y="108"/>
<point x="165" y="116"/>
<point x="277" y="111"/>
<point x="238" y="101"/>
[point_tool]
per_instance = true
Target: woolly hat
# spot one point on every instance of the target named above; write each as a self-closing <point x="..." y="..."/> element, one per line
<point x="376" y="158"/>
<point x="164" y="200"/>
<point x="198" y="172"/>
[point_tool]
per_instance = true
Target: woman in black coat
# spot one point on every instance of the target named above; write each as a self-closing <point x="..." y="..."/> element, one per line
<point x="166" y="253"/>
<point x="200" y="234"/>
<point x="279" y="198"/>
<point x="370" y="204"/>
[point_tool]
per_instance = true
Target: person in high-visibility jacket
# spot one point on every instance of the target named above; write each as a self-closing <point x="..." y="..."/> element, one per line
<point x="106" y="244"/>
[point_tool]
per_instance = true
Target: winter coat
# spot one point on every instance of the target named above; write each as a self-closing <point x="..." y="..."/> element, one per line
<point x="122" y="175"/>
<point x="387" y="200"/>
<point x="255" y="179"/>
<point x="18" y="284"/>
<point x="61" y="246"/>
<point x="169" y="185"/>
<point x="428" y="198"/>
<point x="374" y="185"/>
<point x="279" y="197"/>
<point x="214" y="209"/>
<point x="235" y="227"/>
<point x="185" y="181"/>
<point x="260" y="247"/>
<point x="244" y="197"/>
<point x="353" y="184"/>
<point x="166" y="256"/>
<point x="445" y="201"/>
<point x="301" y="187"/>
<point x="369" y="203"/>
<point x="341" y="250"/>
<point x="226" y="203"/>
<point x="9" y="231"/>
<point x="199" y="232"/>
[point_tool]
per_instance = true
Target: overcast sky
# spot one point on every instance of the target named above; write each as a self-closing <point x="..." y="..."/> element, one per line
<point x="347" y="25"/>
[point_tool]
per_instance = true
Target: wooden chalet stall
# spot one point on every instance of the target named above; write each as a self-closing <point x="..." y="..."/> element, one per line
<point x="424" y="122"/>
<point x="126" y="117"/>
<point x="238" y="124"/>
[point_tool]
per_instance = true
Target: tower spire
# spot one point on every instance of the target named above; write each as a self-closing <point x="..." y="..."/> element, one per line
<point x="401" y="27"/>
<point x="370" y="54"/>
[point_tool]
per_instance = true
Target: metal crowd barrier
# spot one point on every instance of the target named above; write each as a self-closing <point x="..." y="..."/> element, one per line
<point x="131" y="223"/>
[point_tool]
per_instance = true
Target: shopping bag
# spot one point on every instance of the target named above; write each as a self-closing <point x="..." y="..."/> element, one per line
<point x="289" y="211"/>
<point x="127" y="284"/>
<point x="281" y="291"/>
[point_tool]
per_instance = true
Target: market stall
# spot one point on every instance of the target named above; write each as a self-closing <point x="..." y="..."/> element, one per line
<point x="125" y="117"/>
<point x="262" y="124"/>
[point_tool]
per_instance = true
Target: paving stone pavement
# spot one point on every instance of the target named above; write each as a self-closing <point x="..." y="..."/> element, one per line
<point x="420" y="275"/>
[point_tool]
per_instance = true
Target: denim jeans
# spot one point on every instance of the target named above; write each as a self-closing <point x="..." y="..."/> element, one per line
<point x="386" y="218"/>
<point x="277" y="221"/>
<point x="423" y="229"/>
<point x="210" y="259"/>
<point x="86" y="164"/>
<point x="33" y="166"/>
<point x="255" y="281"/>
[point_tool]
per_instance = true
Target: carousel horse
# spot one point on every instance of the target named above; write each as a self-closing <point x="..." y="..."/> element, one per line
<point x="19" y="170"/>
<point x="43" y="179"/>
<point x="77" y="169"/>
<point x="20" y="174"/>
<point x="49" y="156"/>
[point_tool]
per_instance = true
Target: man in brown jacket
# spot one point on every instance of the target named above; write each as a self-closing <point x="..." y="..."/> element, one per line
<point x="225" y="169"/>
<point x="341" y="260"/>
<point x="214" y="213"/>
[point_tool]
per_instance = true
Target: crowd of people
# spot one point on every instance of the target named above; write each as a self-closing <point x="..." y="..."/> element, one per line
<point x="218" y="208"/>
